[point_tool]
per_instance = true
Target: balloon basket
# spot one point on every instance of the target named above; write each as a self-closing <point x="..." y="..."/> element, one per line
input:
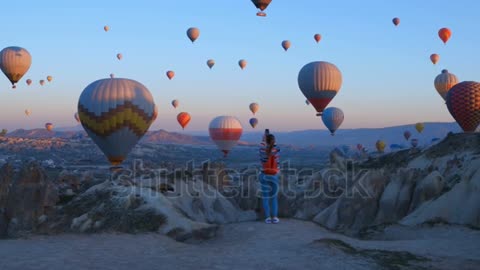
<point x="319" y="114"/>
<point x="261" y="14"/>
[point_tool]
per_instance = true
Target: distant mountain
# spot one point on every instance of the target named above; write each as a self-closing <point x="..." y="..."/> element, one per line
<point x="318" y="138"/>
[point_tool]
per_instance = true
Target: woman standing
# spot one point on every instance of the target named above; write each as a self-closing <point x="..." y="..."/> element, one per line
<point x="269" y="177"/>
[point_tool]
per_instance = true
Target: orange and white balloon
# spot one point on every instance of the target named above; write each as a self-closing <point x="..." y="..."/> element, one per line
<point x="225" y="131"/>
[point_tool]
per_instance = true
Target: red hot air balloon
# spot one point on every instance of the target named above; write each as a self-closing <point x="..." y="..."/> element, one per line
<point x="183" y="119"/>
<point x="261" y="5"/>
<point x="463" y="103"/>
<point x="225" y="131"/>
<point x="317" y="37"/>
<point x="170" y="74"/>
<point x="444" y="34"/>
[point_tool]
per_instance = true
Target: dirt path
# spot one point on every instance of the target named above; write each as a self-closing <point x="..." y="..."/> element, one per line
<point x="252" y="245"/>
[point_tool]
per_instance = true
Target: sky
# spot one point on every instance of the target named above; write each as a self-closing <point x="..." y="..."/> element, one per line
<point x="387" y="73"/>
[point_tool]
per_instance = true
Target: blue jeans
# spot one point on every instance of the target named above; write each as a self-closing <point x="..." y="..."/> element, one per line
<point x="269" y="185"/>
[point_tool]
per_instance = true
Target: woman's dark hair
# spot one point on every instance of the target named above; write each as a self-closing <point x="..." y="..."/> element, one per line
<point x="270" y="142"/>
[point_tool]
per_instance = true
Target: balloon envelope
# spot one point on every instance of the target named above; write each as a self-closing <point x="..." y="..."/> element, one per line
<point x="183" y="119"/>
<point x="170" y="74"/>
<point x="193" y="33"/>
<point x="225" y="131"/>
<point x="286" y="45"/>
<point x="396" y="21"/>
<point x="463" y="103"/>
<point x="419" y="127"/>
<point x="254" y="107"/>
<point x="175" y="103"/>
<point x="317" y="37"/>
<point x="210" y="63"/>
<point x="333" y="118"/>
<point x="14" y="63"/>
<point x="116" y="113"/>
<point x="444" y="34"/>
<point x="319" y="83"/>
<point x="444" y="82"/>
<point x="242" y="63"/>
<point x="434" y="58"/>
<point x="106" y="28"/>
<point x="253" y="122"/>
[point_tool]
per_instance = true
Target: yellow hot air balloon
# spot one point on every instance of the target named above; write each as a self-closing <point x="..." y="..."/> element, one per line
<point x="49" y="78"/>
<point x="380" y="145"/>
<point x="444" y="82"/>
<point x="242" y="63"/>
<point x="14" y="63"/>
<point x="419" y="127"/>
<point x="116" y="113"/>
<point x="254" y="107"/>
<point x="193" y="33"/>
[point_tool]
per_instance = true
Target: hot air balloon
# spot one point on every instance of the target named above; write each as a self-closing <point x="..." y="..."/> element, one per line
<point x="225" y="131"/>
<point x="319" y="82"/>
<point x="119" y="56"/>
<point x="414" y="143"/>
<point x="317" y="37"/>
<point x="42" y="82"/>
<point x="28" y="112"/>
<point x="116" y="113"/>
<point x="419" y="127"/>
<point x="112" y="75"/>
<point x="183" y="119"/>
<point x="77" y="118"/>
<point x="253" y="122"/>
<point x="242" y="63"/>
<point x="444" y="34"/>
<point x="407" y="134"/>
<point x="463" y="103"/>
<point x="193" y="33"/>
<point x="175" y="103"/>
<point x="359" y="147"/>
<point x="332" y="118"/>
<point x="106" y="28"/>
<point x="261" y="5"/>
<point x="49" y="78"/>
<point x="444" y="82"/>
<point x="286" y="45"/>
<point x="307" y="102"/>
<point x="3" y="132"/>
<point x="434" y="58"/>
<point x="210" y="63"/>
<point x="170" y="74"/>
<point x="49" y="126"/>
<point x="254" y="107"/>
<point x="14" y="63"/>
<point x="29" y="81"/>
<point x="380" y="145"/>
<point x="396" y="21"/>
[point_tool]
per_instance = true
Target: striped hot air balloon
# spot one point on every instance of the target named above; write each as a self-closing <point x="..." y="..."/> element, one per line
<point x="116" y="113"/>
<point x="463" y="103"/>
<point x="225" y="131"/>
<point x="333" y="118"/>
<point x="444" y="82"/>
<point x="183" y="119"/>
<point x="14" y="63"/>
<point x="320" y="82"/>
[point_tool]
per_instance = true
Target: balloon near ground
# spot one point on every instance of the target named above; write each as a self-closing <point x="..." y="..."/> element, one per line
<point x="29" y="81"/>
<point x="444" y="82"/>
<point x="14" y="63"/>
<point x="42" y="82"/>
<point x="119" y="56"/>
<point x="183" y="119"/>
<point x="116" y="113"/>
<point x="225" y="131"/>
<point x="193" y="33"/>
<point x="407" y="134"/>
<point x="463" y="103"/>
<point x="380" y="145"/>
<point x="320" y="82"/>
<point x="419" y="127"/>
<point x="414" y="143"/>
<point x="333" y="118"/>
<point x="28" y="112"/>
<point x="106" y="28"/>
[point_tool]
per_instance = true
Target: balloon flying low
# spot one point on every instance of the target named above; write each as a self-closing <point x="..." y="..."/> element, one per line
<point x="116" y="113"/>
<point x="463" y="103"/>
<point x="434" y="58"/>
<point x="333" y="118"/>
<point x="225" y="131"/>
<point x="444" y="82"/>
<point x="444" y="34"/>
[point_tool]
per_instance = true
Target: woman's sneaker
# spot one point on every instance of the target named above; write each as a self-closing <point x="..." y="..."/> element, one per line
<point x="275" y="220"/>
<point x="268" y="220"/>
